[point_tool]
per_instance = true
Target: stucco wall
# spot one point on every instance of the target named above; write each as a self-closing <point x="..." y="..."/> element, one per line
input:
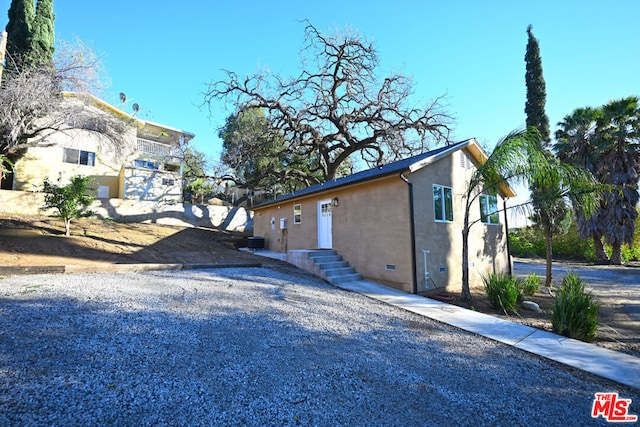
<point x="146" y="184"/>
<point x="487" y="243"/>
<point x="373" y="232"/>
<point x="46" y="161"/>
<point x="371" y="228"/>
<point x="225" y="217"/>
<point x="114" y="172"/>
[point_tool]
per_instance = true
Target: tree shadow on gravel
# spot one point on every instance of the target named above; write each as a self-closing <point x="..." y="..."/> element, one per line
<point x="279" y="355"/>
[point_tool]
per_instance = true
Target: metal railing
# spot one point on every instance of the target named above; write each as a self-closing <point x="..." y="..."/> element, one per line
<point x="158" y="148"/>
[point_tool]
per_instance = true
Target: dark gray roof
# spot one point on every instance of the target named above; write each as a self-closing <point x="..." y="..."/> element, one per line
<point x="377" y="172"/>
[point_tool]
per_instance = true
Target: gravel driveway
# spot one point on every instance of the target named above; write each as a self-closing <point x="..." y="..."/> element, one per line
<point x="258" y="346"/>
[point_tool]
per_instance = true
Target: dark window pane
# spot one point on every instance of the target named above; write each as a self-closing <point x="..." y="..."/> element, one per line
<point x="437" y="203"/>
<point x="483" y="208"/>
<point x="87" y="158"/>
<point x="448" y="204"/>
<point x="297" y="214"/>
<point x="493" y="210"/>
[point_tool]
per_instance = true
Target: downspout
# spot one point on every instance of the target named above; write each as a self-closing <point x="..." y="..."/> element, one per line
<point x="506" y="229"/>
<point x="414" y="289"/>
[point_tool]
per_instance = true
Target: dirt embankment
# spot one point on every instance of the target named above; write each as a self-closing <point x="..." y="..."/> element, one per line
<point x="40" y="241"/>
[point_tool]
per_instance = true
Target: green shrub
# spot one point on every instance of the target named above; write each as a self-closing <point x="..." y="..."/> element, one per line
<point x="70" y="200"/>
<point x="529" y="242"/>
<point x="630" y="253"/>
<point x="574" y="311"/>
<point x="570" y="245"/>
<point x="503" y="291"/>
<point x="531" y="284"/>
<point x="524" y="243"/>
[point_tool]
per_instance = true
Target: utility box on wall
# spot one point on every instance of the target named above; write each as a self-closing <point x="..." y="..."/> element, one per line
<point x="283" y="223"/>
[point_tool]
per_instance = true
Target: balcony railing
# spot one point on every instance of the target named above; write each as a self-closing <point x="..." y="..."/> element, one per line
<point x="158" y="148"/>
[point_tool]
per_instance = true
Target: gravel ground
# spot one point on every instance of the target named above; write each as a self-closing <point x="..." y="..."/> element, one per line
<point x="258" y="346"/>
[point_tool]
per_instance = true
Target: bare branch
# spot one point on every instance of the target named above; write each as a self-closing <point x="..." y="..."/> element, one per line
<point x="32" y="104"/>
<point x="337" y="107"/>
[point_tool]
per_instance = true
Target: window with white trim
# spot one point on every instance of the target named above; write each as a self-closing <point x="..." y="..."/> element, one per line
<point x="442" y="203"/>
<point x="146" y="164"/>
<point x="297" y="214"/>
<point x="79" y="157"/>
<point x="489" y="209"/>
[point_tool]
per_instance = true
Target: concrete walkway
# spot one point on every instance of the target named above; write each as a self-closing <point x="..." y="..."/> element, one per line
<point x="620" y="367"/>
<point x="613" y="365"/>
<point x="616" y="366"/>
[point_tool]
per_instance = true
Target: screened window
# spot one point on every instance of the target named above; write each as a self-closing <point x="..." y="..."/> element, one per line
<point x="79" y="157"/>
<point x="297" y="214"/>
<point x="489" y="209"/>
<point x="147" y="164"/>
<point x="442" y="203"/>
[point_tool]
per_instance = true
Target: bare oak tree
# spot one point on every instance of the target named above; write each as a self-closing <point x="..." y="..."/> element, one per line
<point x="337" y="106"/>
<point x="33" y="104"/>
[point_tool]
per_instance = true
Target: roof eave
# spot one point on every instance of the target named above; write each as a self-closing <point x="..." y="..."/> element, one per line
<point x="115" y="110"/>
<point x="294" y="196"/>
<point x="481" y="157"/>
<point x="432" y="159"/>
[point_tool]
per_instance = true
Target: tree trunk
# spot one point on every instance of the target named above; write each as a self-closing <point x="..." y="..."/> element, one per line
<point x="466" y="291"/>
<point x="598" y="247"/>
<point x="549" y="253"/>
<point x="67" y="226"/>
<point x="616" y="254"/>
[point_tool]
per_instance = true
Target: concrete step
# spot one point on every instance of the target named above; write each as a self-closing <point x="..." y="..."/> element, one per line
<point x="324" y="263"/>
<point x="345" y="278"/>
<point x="326" y="258"/>
<point x="331" y="264"/>
<point x="322" y="252"/>
<point x="333" y="272"/>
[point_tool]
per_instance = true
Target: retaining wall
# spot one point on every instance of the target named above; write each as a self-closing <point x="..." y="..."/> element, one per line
<point x="224" y="217"/>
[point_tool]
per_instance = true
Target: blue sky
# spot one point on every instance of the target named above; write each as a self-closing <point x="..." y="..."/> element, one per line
<point x="162" y="53"/>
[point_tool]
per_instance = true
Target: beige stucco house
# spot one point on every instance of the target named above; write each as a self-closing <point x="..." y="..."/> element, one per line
<point x="146" y="167"/>
<point x="399" y="224"/>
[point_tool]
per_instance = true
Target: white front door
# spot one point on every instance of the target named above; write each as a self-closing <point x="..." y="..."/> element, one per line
<point x="324" y="224"/>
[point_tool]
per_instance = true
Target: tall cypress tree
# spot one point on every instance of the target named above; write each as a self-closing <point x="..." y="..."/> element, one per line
<point x="549" y="210"/>
<point x="19" y="27"/>
<point x="536" y="89"/>
<point x="42" y="36"/>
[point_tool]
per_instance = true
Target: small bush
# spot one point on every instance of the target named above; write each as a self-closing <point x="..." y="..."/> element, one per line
<point x="503" y="291"/>
<point x="574" y="311"/>
<point x="530" y="243"/>
<point x="630" y="253"/>
<point x="531" y="284"/>
<point x="69" y="200"/>
<point x="524" y="243"/>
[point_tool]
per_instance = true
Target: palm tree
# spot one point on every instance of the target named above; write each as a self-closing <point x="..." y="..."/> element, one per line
<point x="520" y="158"/>
<point x="550" y="211"/>
<point x="577" y="144"/>
<point x="575" y="140"/>
<point x="607" y="142"/>
<point x="619" y="145"/>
